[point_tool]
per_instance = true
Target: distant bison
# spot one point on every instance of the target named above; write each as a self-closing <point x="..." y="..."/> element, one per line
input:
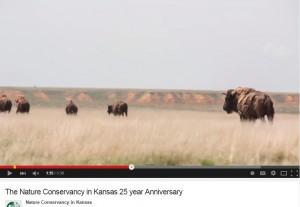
<point x="5" y="104"/>
<point x="118" y="108"/>
<point x="71" y="108"/>
<point x="249" y="104"/>
<point x="23" y="105"/>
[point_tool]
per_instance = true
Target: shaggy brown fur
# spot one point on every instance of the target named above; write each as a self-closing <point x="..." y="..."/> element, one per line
<point x="71" y="108"/>
<point x="249" y="104"/>
<point x="5" y="104"/>
<point x="118" y="108"/>
<point x="23" y="105"/>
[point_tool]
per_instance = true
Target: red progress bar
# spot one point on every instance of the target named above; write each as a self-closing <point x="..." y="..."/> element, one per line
<point x="36" y="167"/>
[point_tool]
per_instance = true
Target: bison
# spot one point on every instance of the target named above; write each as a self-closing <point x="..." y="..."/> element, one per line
<point x="249" y="104"/>
<point x="118" y="108"/>
<point x="5" y="104"/>
<point x="23" y="105"/>
<point x="71" y="108"/>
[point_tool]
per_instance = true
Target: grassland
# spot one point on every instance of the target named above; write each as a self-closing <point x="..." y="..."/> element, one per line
<point x="149" y="136"/>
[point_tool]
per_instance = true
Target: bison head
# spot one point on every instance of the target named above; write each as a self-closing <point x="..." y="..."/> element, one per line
<point x="230" y="103"/>
<point x="20" y="99"/>
<point x="109" y="109"/>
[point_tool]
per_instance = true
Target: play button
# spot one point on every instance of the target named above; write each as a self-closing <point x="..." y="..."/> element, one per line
<point x="9" y="173"/>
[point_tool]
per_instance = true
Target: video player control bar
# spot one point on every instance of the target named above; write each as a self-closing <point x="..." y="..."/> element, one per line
<point x="132" y="171"/>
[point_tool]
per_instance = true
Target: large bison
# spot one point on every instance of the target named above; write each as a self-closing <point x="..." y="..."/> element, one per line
<point x="5" y="104"/>
<point x="23" y="105"/>
<point x="249" y="104"/>
<point x="118" y="108"/>
<point x="71" y="108"/>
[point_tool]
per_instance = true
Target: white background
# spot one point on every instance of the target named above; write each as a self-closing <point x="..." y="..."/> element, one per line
<point x="196" y="192"/>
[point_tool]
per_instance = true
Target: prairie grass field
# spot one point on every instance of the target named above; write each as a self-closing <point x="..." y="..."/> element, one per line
<point x="47" y="136"/>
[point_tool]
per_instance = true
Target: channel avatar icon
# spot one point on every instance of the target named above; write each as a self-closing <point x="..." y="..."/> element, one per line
<point x="13" y="204"/>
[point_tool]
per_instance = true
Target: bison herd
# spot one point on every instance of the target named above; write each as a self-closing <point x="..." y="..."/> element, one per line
<point x="119" y="108"/>
<point x="23" y="105"/>
<point x="248" y="103"/>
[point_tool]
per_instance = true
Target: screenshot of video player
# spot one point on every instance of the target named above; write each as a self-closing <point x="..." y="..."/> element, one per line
<point x="149" y="103"/>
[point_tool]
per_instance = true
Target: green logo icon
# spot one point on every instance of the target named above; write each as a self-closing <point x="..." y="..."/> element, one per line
<point x="14" y="204"/>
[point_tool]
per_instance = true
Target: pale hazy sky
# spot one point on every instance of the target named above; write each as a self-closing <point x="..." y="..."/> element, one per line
<point x="165" y="44"/>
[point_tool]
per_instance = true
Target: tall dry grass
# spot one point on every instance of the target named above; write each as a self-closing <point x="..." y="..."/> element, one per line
<point x="146" y="137"/>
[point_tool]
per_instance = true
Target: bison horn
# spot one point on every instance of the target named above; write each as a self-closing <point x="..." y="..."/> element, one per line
<point x="224" y="94"/>
<point x="233" y="93"/>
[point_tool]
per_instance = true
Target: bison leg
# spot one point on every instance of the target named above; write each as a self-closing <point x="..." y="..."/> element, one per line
<point x="262" y="119"/>
<point x="247" y="119"/>
<point x="242" y="118"/>
<point x="270" y="119"/>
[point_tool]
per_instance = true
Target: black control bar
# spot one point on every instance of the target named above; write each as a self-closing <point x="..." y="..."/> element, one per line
<point x="157" y="172"/>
